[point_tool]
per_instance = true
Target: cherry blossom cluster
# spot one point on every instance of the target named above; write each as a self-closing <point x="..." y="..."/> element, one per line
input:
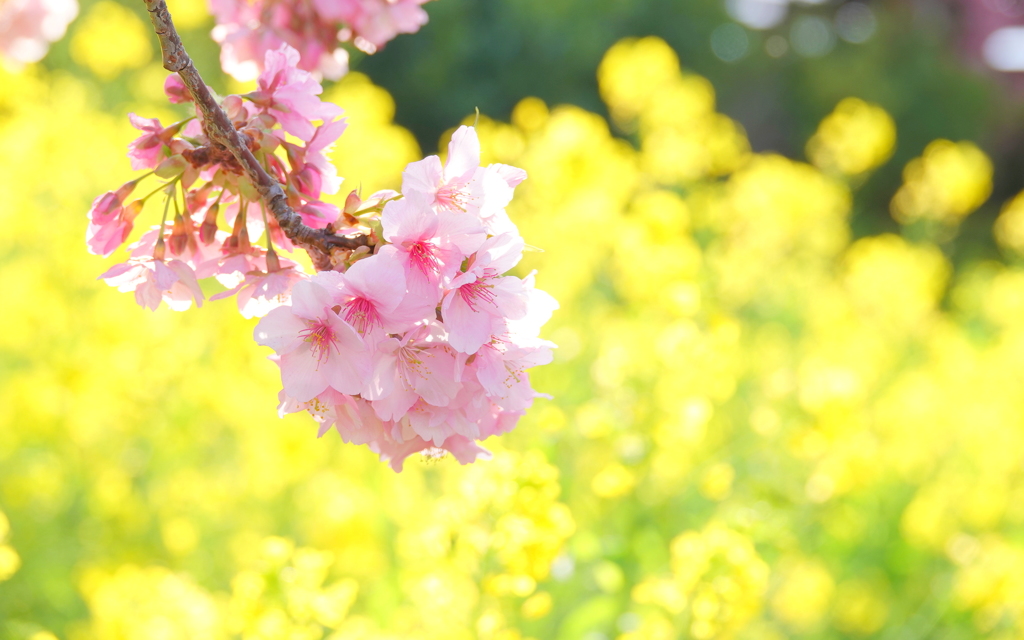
<point x="416" y="340"/>
<point x="247" y="29"/>
<point x="424" y="344"/>
<point x="203" y="185"/>
<point x="27" y="27"/>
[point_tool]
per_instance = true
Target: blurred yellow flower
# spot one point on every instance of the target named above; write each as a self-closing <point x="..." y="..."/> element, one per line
<point x="945" y="184"/>
<point x="856" y="137"/>
<point x="804" y="595"/>
<point x="110" y="39"/>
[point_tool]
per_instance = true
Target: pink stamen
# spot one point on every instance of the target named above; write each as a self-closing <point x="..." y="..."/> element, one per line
<point x="361" y="314"/>
<point x="424" y="256"/>
<point x="475" y="293"/>
<point x="321" y="336"/>
<point x="452" y="197"/>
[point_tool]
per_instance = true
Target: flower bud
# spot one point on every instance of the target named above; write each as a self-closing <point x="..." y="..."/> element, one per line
<point x="195" y="199"/>
<point x="234" y="107"/>
<point x="128" y="215"/>
<point x="132" y="210"/>
<point x="239" y="240"/>
<point x="159" y="250"/>
<point x="171" y="167"/>
<point x="208" y="230"/>
<point x="176" y="90"/>
<point x="352" y="204"/>
<point x="126" y="189"/>
<point x="179" y="237"/>
<point x="273" y="262"/>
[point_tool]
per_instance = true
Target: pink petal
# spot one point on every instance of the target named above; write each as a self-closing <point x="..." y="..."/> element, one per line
<point x="463" y="154"/>
<point x="347" y="369"/>
<point x="300" y="374"/>
<point x="423" y="176"/>
<point x="280" y="330"/>
<point x="468" y="330"/>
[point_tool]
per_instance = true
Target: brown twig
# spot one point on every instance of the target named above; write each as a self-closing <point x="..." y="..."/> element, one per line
<point x="218" y="128"/>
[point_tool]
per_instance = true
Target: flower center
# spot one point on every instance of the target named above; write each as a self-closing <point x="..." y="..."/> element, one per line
<point x="476" y="293"/>
<point x="321" y="338"/>
<point x="424" y="256"/>
<point x="361" y="314"/>
<point x="452" y="196"/>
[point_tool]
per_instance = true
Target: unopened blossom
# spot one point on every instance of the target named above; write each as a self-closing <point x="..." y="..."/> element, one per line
<point x="175" y="90"/>
<point x="27" y="27"/>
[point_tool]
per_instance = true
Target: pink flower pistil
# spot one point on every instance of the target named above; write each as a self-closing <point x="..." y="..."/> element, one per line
<point x="322" y="340"/>
<point x="362" y="314"/>
<point x="423" y="256"/>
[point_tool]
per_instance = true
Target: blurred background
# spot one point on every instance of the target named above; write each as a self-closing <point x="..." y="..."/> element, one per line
<point x="787" y="241"/>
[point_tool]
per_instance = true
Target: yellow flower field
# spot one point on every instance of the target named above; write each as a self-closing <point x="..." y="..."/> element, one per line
<point x="762" y="426"/>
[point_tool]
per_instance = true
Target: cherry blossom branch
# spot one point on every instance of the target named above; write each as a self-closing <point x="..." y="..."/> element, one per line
<point x="317" y="242"/>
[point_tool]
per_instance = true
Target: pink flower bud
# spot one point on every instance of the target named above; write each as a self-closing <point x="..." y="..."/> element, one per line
<point x="208" y="230"/>
<point x="176" y="90"/>
<point x="179" y="237"/>
<point x="132" y="210"/>
<point x="352" y="202"/>
<point x="159" y="250"/>
<point x="125" y="190"/>
<point x="235" y="108"/>
<point x="195" y="200"/>
<point x="273" y="262"/>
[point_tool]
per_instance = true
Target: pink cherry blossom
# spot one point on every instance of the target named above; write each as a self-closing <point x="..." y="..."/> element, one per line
<point x="447" y="186"/>
<point x="155" y="281"/>
<point x="430" y="244"/>
<point x="27" y="27"/>
<point x="395" y="452"/>
<point x="314" y="172"/>
<point x="420" y="365"/>
<point x="290" y="94"/>
<point x="416" y="341"/>
<point x="461" y="185"/>
<point x="147" y="151"/>
<point x="317" y="349"/>
<point x="248" y="29"/>
<point x="379" y="21"/>
<point x="480" y="297"/>
<point x="110" y="221"/>
<point x="264" y="289"/>
<point x="371" y="294"/>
